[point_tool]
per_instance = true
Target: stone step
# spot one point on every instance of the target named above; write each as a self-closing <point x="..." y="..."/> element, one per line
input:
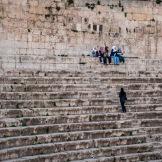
<point x="112" y="107"/>
<point x="67" y="59"/>
<point x="50" y="95"/>
<point x="83" y="150"/>
<point x="16" y="113"/>
<point x="49" y="87"/>
<point x="109" y="82"/>
<point x="42" y="59"/>
<point x="128" y="69"/>
<point x="75" y="94"/>
<point x="106" y="138"/>
<point x="78" y="87"/>
<point x="111" y="135"/>
<point x="84" y="61"/>
<point x="82" y="66"/>
<point x="154" y="160"/>
<point x="121" y="158"/>
<point x="46" y="129"/>
<point x="60" y="119"/>
<point x="97" y="142"/>
<point x="38" y="73"/>
<point x="69" y="127"/>
<point x="128" y="157"/>
<point x="92" y="70"/>
<point x="30" y="121"/>
<point x="76" y="135"/>
<point x="108" y="71"/>
<point x="20" y="104"/>
<point x="78" y="80"/>
<point x="64" y="73"/>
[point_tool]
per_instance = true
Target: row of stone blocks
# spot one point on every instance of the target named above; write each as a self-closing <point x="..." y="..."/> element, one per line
<point x="76" y="94"/>
<point x="65" y="116"/>
<point x="59" y="111"/>
<point x="106" y="71"/>
<point x="86" y="120"/>
<point x="50" y="63"/>
<point x="20" y="104"/>
<point x="78" y="80"/>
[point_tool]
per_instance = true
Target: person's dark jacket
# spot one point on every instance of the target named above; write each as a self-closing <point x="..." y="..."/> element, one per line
<point x="123" y="97"/>
<point x="113" y="53"/>
<point x="100" y="53"/>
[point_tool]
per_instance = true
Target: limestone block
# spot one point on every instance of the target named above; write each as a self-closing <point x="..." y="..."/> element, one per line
<point x="149" y="29"/>
<point x="24" y="37"/>
<point x="30" y="38"/>
<point x="47" y="24"/>
<point x="30" y="51"/>
<point x="35" y="38"/>
<point x="34" y="3"/>
<point x="141" y="17"/>
<point x="23" y="51"/>
<point x="24" y="24"/>
<point x="139" y="9"/>
<point x="157" y="10"/>
<point x="8" y="122"/>
<point x="38" y="10"/>
<point x="158" y="17"/>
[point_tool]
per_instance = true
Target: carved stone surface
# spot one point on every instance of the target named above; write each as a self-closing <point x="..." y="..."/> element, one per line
<point x="38" y="29"/>
<point x="75" y="116"/>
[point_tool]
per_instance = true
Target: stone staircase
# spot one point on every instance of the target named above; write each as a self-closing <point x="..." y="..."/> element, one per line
<point x="73" y="114"/>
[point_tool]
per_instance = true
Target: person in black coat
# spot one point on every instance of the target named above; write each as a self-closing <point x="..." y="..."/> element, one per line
<point x="123" y="98"/>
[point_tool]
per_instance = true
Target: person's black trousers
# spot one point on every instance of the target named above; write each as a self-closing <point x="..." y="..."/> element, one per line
<point x="100" y="59"/>
<point x="109" y="59"/>
<point x="105" y="60"/>
<point x="123" y="106"/>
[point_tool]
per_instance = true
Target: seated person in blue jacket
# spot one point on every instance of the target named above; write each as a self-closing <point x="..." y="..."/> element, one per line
<point x="114" y="55"/>
<point x="120" y="55"/>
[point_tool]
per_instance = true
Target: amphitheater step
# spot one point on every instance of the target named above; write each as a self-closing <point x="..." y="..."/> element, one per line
<point x="153" y="161"/>
<point x="57" y="111"/>
<point x="121" y="135"/>
<point x="105" y="71"/>
<point x="129" y="158"/>
<point x="79" y="80"/>
<point x="82" y="150"/>
<point x="40" y="120"/>
<point x="46" y="129"/>
<point x="58" y="137"/>
<point x="76" y="94"/>
<point x="18" y="104"/>
<point x="98" y="139"/>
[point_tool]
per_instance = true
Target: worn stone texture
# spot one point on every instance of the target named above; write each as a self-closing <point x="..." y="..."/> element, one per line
<point x="38" y="29"/>
<point x="75" y="116"/>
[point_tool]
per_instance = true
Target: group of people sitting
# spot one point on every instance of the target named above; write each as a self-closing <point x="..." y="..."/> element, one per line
<point x="105" y="56"/>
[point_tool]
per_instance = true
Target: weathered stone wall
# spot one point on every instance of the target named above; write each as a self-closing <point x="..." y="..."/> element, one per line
<point x="32" y="32"/>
